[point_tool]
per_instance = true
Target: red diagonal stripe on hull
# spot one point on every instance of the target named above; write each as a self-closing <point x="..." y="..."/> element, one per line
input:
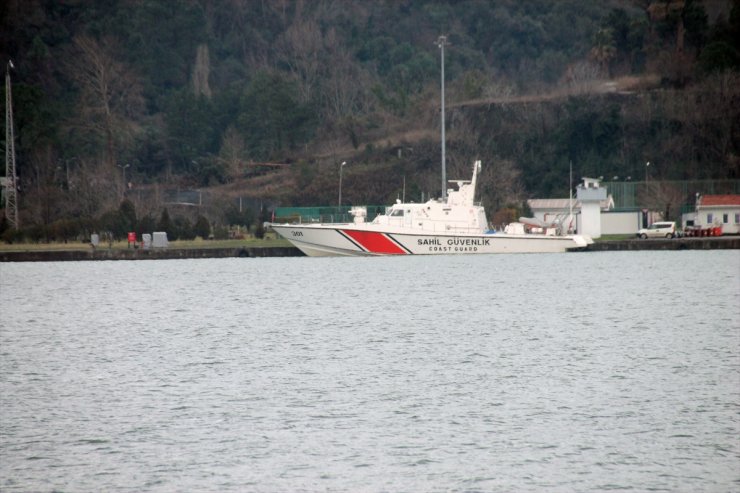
<point x="374" y="242"/>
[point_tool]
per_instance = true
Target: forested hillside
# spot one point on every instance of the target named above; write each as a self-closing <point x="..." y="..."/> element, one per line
<point x="117" y="101"/>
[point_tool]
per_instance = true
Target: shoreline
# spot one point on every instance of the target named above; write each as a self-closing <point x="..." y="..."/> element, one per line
<point x="692" y="243"/>
<point x="633" y="244"/>
<point x="151" y="254"/>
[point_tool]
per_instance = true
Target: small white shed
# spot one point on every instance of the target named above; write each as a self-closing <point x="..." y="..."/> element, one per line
<point x="159" y="239"/>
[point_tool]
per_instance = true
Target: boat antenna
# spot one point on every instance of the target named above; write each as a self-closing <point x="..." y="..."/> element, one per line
<point x="570" y="192"/>
<point x="442" y="42"/>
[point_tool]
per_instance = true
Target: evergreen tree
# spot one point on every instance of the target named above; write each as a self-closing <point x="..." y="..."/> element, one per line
<point x="202" y="228"/>
<point x="165" y="224"/>
<point x="146" y="224"/>
<point x="183" y="229"/>
<point x="128" y="215"/>
<point x="272" y="119"/>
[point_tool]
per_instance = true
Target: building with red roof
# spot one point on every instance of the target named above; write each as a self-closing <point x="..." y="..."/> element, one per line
<point x="719" y="210"/>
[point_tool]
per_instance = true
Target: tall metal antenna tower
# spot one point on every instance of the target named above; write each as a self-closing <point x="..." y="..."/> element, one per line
<point x="11" y="178"/>
<point x="442" y="42"/>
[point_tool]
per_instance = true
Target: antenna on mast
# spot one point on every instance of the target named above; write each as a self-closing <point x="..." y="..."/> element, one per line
<point x="570" y="192"/>
<point x="442" y="42"/>
<point x="11" y="178"/>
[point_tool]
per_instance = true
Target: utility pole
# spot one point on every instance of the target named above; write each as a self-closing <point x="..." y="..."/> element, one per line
<point x="442" y="42"/>
<point x="11" y="177"/>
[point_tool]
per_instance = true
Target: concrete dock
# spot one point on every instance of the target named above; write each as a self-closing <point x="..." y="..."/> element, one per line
<point x="704" y="243"/>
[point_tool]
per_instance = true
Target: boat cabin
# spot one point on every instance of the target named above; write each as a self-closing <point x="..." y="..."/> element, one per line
<point x="459" y="213"/>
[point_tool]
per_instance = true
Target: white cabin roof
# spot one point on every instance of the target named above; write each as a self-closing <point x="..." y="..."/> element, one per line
<point x="564" y="204"/>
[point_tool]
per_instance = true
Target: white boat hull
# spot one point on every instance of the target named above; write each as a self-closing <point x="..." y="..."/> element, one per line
<point x="455" y="226"/>
<point x="325" y="240"/>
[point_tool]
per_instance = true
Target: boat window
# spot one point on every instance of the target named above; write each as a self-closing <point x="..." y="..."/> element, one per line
<point x="397" y="213"/>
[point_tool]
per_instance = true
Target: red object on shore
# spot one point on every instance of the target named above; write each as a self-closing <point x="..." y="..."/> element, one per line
<point x="132" y="237"/>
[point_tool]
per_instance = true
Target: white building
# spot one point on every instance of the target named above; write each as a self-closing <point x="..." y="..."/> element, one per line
<point x="719" y="210"/>
<point x="590" y="194"/>
<point x="590" y="202"/>
<point x="547" y="210"/>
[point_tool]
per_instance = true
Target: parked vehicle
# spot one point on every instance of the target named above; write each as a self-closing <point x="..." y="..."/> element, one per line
<point x="661" y="229"/>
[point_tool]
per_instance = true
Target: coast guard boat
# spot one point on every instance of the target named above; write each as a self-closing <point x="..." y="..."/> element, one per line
<point x="454" y="226"/>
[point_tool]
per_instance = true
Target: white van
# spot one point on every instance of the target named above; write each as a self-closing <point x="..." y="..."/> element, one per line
<point x="661" y="229"/>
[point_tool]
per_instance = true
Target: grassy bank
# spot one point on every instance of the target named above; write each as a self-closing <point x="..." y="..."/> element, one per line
<point x="269" y="241"/>
<point x="616" y="237"/>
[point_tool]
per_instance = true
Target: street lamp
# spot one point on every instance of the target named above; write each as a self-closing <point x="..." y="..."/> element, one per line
<point x="647" y="174"/>
<point x="123" y="177"/>
<point x="647" y="193"/>
<point x="341" y="167"/>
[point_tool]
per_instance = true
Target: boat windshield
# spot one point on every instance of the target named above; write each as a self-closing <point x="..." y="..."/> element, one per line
<point x="397" y="213"/>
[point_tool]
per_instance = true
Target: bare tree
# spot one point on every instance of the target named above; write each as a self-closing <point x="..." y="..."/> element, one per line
<point x="343" y="95"/>
<point x="501" y="184"/>
<point x="233" y="151"/>
<point x="42" y="196"/>
<point x="664" y="197"/>
<point x="498" y="91"/>
<point x="580" y="77"/>
<point x="604" y="50"/>
<point x="301" y="45"/>
<point x="94" y="189"/>
<point x="714" y="121"/>
<point x="110" y="94"/>
<point x="280" y="7"/>
<point x="463" y="143"/>
<point x="201" y="70"/>
<point x="235" y="18"/>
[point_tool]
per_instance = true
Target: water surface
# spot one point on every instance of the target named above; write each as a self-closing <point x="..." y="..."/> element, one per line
<point x="561" y="372"/>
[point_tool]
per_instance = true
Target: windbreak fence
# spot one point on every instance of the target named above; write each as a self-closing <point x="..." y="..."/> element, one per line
<point x="323" y="214"/>
<point x="636" y="195"/>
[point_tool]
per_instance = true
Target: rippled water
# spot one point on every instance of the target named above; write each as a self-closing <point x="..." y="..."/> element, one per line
<point x="572" y="372"/>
